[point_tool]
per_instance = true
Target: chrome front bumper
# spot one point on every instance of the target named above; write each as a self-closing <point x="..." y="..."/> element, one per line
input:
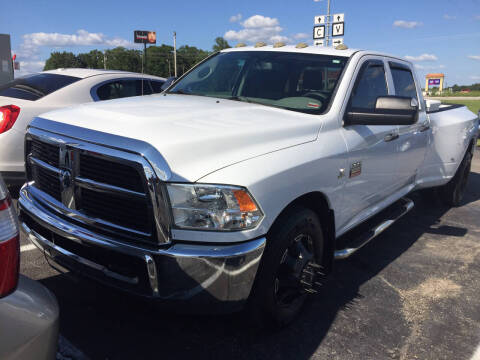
<point x="214" y="277"/>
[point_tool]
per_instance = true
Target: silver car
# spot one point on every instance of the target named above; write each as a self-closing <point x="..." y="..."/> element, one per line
<point x="28" y="311"/>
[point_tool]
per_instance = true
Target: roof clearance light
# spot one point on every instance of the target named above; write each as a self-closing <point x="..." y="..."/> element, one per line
<point x="240" y="45"/>
<point x="260" y="44"/>
<point x="279" y="44"/>
<point x="341" y="47"/>
<point x="301" y="45"/>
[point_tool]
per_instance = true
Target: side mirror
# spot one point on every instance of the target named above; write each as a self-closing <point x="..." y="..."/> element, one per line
<point x="168" y="82"/>
<point x="389" y="110"/>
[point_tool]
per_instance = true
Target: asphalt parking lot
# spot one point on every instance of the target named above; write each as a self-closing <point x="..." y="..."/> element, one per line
<point x="413" y="293"/>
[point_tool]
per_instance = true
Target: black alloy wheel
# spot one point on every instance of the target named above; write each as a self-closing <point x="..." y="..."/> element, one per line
<point x="289" y="270"/>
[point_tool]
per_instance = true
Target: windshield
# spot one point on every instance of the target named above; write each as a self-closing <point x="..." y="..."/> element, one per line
<point x="36" y="86"/>
<point x="293" y="81"/>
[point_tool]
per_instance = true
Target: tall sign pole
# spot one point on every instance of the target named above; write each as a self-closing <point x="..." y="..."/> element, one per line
<point x="175" y="51"/>
<point x="328" y="24"/>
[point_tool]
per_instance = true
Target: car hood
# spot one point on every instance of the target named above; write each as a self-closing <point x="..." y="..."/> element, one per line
<point x="195" y="135"/>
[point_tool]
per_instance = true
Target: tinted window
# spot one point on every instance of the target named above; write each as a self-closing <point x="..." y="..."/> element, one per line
<point x="403" y="82"/>
<point x="157" y="86"/>
<point x="36" y="86"/>
<point x="371" y="83"/>
<point x="292" y="81"/>
<point x="124" y="88"/>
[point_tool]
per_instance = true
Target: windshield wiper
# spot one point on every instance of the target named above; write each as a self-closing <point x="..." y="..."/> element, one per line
<point x="180" y="92"/>
<point x="240" y="98"/>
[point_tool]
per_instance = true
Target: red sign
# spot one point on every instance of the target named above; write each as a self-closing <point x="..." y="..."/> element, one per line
<point x="145" y="37"/>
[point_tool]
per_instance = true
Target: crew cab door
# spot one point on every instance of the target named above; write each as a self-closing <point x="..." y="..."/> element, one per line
<point x="413" y="139"/>
<point x="372" y="149"/>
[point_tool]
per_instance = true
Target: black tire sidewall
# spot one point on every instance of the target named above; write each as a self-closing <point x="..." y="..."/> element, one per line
<point x="451" y="193"/>
<point x="297" y="221"/>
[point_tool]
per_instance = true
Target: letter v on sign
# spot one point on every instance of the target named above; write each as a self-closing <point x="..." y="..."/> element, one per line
<point x="338" y="29"/>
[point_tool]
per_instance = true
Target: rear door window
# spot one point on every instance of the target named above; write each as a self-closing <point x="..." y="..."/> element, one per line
<point x="124" y="88"/>
<point x="36" y="86"/>
<point x="403" y="80"/>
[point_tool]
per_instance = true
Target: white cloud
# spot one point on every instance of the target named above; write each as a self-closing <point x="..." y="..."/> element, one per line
<point x="429" y="67"/>
<point x="235" y="18"/>
<point x="449" y="17"/>
<point x="259" y="21"/>
<point x="474" y="57"/>
<point x="301" y="36"/>
<point x="32" y="42"/>
<point x="475" y="77"/>
<point x="258" y="28"/>
<point x="423" y="57"/>
<point x="407" y="24"/>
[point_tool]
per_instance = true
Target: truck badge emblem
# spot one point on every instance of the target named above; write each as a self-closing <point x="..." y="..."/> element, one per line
<point x="355" y="169"/>
<point x="66" y="177"/>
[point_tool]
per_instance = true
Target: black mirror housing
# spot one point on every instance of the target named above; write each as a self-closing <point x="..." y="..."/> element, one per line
<point x="389" y="110"/>
<point x="168" y="82"/>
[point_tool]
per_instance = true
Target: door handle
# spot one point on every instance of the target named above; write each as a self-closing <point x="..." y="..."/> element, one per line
<point x="391" y="137"/>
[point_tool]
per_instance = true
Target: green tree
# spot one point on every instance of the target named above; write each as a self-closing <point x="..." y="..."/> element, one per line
<point x="188" y="56"/>
<point x="62" y="60"/>
<point x="220" y="44"/>
<point x="124" y="59"/>
<point x="160" y="60"/>
<point x="91" y="60"/>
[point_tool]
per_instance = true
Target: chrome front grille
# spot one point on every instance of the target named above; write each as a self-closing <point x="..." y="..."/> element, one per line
<point x="116" y="174"/>
<point x="45" y="152"/>
<point x="105" y="193"/>
<point x="48" y="182"/>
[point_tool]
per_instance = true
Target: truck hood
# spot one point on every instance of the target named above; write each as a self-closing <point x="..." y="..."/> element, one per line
<point x="195" y="135"/>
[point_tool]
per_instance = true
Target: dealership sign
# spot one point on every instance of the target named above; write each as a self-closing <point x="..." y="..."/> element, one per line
<point x="144" y="37"/>
<point x="433" y="81"/>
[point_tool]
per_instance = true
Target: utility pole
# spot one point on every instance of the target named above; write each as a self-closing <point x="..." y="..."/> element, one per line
<point x="144" y="62"/>
<point x="175" y="51"/>
<point x="105" y="60"/>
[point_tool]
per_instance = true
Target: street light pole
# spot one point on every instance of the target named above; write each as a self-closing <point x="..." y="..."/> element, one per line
<point x="328" y="24"/>
<point x="175" y="51"/>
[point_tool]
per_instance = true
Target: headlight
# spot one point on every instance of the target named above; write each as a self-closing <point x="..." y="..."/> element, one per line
<point x="213" y="207"/>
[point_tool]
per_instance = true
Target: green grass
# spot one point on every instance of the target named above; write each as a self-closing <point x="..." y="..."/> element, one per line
<point x="473" y="105"/>
<point x="472" y="93"/>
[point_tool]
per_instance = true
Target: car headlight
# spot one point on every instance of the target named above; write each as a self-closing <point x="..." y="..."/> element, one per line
<point x="213" y="207"/>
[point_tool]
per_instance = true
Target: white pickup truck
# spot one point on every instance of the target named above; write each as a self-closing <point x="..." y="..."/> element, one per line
<point x="245" y="180"/>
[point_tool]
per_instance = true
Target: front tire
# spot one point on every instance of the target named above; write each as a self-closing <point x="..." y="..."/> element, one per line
<point x="287" y="272"/>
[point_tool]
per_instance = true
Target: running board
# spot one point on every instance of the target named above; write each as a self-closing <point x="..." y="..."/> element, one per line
<point x="395" y="212"/>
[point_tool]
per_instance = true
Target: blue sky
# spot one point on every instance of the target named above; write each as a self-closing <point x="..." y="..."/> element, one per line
<point x="440" y="36"/>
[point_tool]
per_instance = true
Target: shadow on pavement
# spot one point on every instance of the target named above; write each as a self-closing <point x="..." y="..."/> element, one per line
<point x="107" y="324"/>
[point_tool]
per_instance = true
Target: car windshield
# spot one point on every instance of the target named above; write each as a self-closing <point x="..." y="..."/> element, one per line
<point x="36" y="86"/>
<point x="293" y="81"/>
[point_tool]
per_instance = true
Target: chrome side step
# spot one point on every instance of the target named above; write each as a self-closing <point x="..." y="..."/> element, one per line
<point x="404" y="206"/>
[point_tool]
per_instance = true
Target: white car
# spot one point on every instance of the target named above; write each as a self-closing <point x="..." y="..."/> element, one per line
<point x="24" y="98"/>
